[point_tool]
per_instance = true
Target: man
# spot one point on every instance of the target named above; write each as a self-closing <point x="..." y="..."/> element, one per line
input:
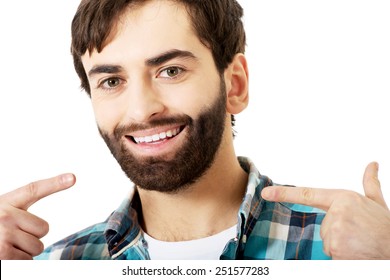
<point x="165" y="80"/>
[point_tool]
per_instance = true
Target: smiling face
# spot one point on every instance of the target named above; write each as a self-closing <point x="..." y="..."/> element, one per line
<point x="159" y="101"/>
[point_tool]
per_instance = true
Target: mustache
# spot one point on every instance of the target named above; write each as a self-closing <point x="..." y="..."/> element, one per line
<point x="129" y="128"/>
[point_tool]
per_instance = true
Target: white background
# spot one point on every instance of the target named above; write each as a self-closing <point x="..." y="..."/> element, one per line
<point x="318" y="114"/>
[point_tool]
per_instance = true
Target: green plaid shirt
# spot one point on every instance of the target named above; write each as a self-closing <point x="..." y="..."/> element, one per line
<point x="265" y="230"/>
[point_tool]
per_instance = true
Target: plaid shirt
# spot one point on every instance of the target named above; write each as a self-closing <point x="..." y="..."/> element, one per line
<point x="265" y="230"/>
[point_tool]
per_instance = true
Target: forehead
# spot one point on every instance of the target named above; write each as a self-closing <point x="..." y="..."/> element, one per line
<point x="148" y="29"/>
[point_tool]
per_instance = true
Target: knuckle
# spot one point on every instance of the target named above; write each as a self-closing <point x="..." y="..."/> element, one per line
<point x="334" y="249"/>
<point x="347" y="200"/>
<point x="340" y="214"/>
<point x="353" y="198"/>
<point x="44" y="228"/>
<point x="38" y="248"/>
<point x="32" y="190"/>
<point x="5" y="237"/>
<point x="338" y="209"/>
<point x="336" y="230"/>
<point x="7" y="226"/>
<point x="5" y="216"/>
<point x="371" y="180"/>
<point x="323" y="232"/>
<point x="281" y="195"/>
<point x="41" y="229"/>
<point x="307" y="194"/>
<point x="58" y="181"/>
<point x="376" y="181"/>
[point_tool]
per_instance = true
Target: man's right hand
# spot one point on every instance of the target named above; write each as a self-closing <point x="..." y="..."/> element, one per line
<point x="21" y="231"/>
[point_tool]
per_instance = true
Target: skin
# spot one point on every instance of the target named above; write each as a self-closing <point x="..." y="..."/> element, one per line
<point x="145" y="92"/>
<point x="21" y="231"/>
<point x="355" y="226"/>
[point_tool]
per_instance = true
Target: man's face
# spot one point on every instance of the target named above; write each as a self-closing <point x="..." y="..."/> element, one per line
<point x="158" y="99"/>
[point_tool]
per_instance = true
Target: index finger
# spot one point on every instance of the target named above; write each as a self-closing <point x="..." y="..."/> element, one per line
<point x="318" y="198"/>
<point x="26" y="196"/>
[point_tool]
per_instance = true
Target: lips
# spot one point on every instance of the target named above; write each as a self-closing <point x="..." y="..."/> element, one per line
<point x="156" y="136"/>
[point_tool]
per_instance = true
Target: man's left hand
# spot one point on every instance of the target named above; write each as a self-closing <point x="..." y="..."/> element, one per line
<point x="355" y="226"/>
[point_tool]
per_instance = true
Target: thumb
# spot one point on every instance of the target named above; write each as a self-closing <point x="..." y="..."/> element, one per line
<point x="371" y="184"/>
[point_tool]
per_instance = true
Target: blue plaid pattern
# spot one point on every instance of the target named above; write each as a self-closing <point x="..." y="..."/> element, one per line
<point x="265" y="231"/>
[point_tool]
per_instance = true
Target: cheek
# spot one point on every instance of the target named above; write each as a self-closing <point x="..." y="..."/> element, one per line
<point x="192" y="100"/>
<point x="107" y="114"/>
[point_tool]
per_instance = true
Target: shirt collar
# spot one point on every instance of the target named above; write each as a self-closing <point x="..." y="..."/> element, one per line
<point x="123" y="227"/>
<point x="252" y="204"/>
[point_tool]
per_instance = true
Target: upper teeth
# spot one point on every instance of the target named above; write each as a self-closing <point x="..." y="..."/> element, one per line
<point x="157" y="137"/>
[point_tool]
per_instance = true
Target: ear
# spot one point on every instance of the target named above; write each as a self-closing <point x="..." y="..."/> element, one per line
<point x="236" y="79"/>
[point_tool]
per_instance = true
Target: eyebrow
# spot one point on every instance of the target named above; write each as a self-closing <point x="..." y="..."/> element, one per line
<point x="154" y="61"/>
<point x="169" y="55"/>
<point x="105" y="68"/>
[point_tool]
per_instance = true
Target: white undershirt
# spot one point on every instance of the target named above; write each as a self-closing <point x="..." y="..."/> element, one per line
<point x="208" y="248"/>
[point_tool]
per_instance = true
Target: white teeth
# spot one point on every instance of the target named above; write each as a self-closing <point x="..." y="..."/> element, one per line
<point x="148" y="139"/>
<point x="157" y="137"/>
<point x="163" y="135"/>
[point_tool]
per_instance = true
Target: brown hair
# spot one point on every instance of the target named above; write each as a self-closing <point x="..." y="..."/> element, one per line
<point x="217" y="23"/>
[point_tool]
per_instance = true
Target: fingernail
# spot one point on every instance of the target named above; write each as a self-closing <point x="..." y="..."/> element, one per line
<point x="67" y="179"/>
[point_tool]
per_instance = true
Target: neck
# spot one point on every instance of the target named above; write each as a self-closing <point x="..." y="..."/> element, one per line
<point x="205" y="208"/>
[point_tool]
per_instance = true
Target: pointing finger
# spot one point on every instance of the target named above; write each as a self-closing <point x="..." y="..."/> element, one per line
<point x="26" y="196"/>
<point x="318" y="198"/>
<point x="371" y="184"/>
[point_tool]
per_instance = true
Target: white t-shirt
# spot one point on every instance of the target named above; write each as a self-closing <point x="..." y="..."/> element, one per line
<point x="208" y="248"/>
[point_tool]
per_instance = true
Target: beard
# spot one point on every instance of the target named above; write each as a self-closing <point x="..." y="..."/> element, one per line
<point x="190" y="162"/>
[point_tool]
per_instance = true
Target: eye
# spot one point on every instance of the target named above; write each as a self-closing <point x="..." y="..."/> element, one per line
<point x="171" y="72"/>
<point x="111" y="83"/>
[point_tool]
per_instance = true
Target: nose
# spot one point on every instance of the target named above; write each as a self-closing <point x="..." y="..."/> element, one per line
<point x="144" y="101"/>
